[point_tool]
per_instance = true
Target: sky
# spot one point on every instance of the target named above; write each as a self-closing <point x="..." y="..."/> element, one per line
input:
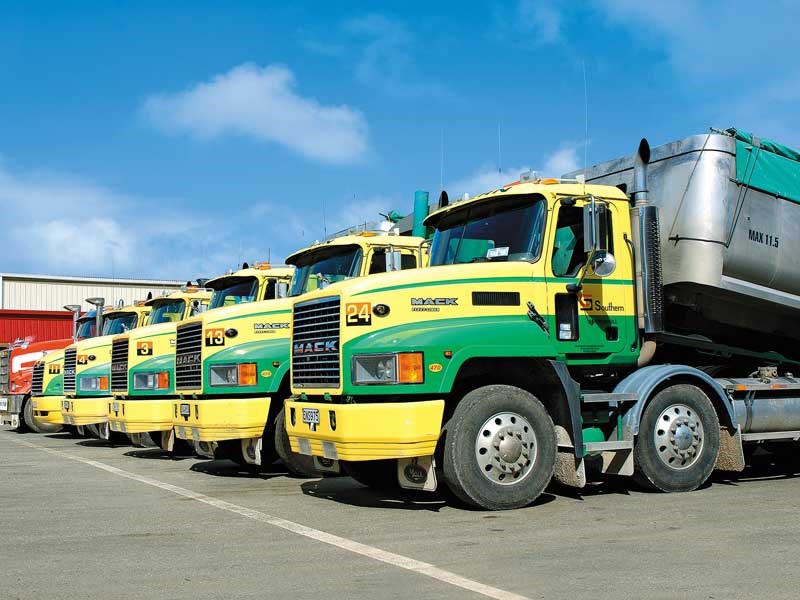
<point x="179" y="139"/>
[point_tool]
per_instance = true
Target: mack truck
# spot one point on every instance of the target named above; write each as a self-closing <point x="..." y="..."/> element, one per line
<point x="143" y="361"/>
<point x="87" y="370"/>
<point x="641" y="320"/>
<point x="232" y="364"/>
<point x="17" y="362"/>
<point x="47" y="375"/>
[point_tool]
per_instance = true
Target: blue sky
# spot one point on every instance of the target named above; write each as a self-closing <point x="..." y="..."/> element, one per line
<point x="176" y="139"/>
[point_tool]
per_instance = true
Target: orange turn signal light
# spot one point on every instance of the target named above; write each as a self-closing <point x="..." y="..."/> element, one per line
<point x="247" y="374"/>
<point x="162" y="383"/>
<point x="409" y="367"/>
<point x="103" y="383"/>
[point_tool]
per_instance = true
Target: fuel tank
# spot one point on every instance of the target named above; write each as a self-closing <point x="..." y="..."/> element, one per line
<point x="729" y="208"/>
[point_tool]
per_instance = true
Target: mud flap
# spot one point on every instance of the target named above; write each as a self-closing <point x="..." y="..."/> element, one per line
<point x="168" y="440"/>
<point x="327" y="465"/>
<point x="205" y="449"/>
<point x="417" y="473"/>
<point x="731" y="454"/>
<point x="569" y="469"/>
<point x="251" y="451"/>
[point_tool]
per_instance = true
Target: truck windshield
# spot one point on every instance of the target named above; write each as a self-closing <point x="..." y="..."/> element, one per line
<point x="328" y="265"/>
<point x="166" y="311"/>
<point x="119" y="323"/>
<point x="234" y="290"/>
<point x="86" y="328"/>
<point x="508" y="228"/>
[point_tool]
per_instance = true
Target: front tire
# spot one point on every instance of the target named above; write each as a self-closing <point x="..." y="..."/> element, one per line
<point x="298" y="465"/>
<point x="678" y="441"/>
<point x="500" y="448"/>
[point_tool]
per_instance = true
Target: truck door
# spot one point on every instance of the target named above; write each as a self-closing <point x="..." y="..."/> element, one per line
<point x="594" y="324"/>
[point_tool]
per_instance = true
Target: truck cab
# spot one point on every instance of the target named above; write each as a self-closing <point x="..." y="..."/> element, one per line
<point x="87" y="370"/>
<point x="47" y="376"/>
<point x="233" y="362"/>
<point x="143" y="396"/>
<point x="142" y="363"/>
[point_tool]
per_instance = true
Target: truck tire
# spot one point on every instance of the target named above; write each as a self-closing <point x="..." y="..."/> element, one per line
<point x="298" y="465"/>
<point x="230" y="450"/>
<point x="678" y="440"/>
<point x="500" y="448"/>
<point x="380" y="475"/>
<point x="32" y="423"/>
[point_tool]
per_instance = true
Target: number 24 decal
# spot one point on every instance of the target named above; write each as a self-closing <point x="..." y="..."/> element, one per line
<point x="358" y="313"/>
<point x="215" y="337"/>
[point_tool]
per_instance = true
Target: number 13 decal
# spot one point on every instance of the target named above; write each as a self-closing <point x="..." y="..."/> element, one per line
<point x="215" y="337"/>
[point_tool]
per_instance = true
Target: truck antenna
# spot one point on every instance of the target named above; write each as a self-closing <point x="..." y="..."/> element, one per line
<point x="585" y="124"/>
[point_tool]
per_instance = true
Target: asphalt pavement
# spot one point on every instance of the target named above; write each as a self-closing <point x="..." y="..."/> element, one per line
<point x="83" y="519"/>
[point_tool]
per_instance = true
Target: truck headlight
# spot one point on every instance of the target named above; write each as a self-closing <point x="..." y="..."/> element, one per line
<point x="386" y="369"/>
<point x="151" y="380"/>
<point x="228" y="375"/>
<point x="93" y="384"/>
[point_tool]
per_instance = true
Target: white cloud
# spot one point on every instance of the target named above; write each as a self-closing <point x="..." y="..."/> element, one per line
<point x="262" y="103"/>
<point x="540" y="17"/>
<point x="488" y="177"/>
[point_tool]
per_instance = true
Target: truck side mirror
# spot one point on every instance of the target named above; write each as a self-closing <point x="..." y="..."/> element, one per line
<point x="393" y="261"/>
<point x="281" y="289"/>
<point x="198" y="308"/>
<point x="595" y="227"/>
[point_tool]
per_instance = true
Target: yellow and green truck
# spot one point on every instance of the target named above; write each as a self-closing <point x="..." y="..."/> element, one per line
<point x="143" y="360"/>
<point x="87" y="371"/>
<point x="47" y="386"/>
<point x="142" y="364"/>
<point x="633" y="318"/>
<point x="232" y="364"/>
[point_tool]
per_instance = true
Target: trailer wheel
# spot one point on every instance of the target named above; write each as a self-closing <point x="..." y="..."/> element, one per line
<point x="298" y="465"/>
<point x="34" y="424"/>
<point x="378" y="475"/>
<point x="678" y="441"/>
<point x="500" y="448"/>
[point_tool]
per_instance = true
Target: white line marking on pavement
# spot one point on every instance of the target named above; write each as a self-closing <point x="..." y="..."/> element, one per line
<point x="397" y="560"/>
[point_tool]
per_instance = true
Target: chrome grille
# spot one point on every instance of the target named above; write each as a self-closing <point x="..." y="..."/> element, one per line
<point x="315" y="343"/>
<point x="119" y="365"/>
<point x="69" y="370"/>
<point x="188" y="357"/>
<point x="37" y="382"/>
<point x="5" y="371"/>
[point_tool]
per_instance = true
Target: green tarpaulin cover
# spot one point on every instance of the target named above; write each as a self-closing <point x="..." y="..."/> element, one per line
<point x="766" y="165"/>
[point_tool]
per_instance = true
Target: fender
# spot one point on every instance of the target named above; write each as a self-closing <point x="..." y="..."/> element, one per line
<point x="647" y="379"/>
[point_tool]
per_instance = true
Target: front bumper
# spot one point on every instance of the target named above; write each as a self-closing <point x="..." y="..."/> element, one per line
<point x="48" y="409"/>
<point x="85" y="411"/>
<point x="11" y="409"/>
<point x="140" y="416"/>
<point x="217" y="419"/>
<point x="366" y="431"/>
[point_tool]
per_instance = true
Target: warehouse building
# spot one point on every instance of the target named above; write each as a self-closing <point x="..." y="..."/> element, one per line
<point x="31" y="306"/>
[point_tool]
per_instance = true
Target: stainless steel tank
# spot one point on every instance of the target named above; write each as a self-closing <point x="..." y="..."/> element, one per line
<point x="731" y="269"/>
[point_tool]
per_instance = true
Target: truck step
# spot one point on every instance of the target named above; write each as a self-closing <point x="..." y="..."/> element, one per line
<point x="608" y="446"/>
<point x="607" y="397"/>
<point x="771" y="435"/>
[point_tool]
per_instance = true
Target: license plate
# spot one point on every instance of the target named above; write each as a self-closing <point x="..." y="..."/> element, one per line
<point x="66" y="404"/>
<point x="311" y="416"/>
<point x="115" y="406"/>
<point x="185" y="410"/>
<point x="3" y="403"/>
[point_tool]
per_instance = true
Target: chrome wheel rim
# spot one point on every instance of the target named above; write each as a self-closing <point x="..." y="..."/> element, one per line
<point x="505" y="448"/>
<point x="678" y="436"/>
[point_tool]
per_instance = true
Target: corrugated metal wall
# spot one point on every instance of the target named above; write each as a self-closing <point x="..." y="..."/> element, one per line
<point x="38" y="326"/>
<point x="53" y="294"/>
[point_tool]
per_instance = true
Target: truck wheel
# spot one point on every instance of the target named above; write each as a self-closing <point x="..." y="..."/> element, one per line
<point x="298" y="465"/>
<point x="379" y="475"/>
<point x="500" y="448"/>
<point x="33" y="423"/>
<point x="678" y="441"/>
<point x="230" y="450"/>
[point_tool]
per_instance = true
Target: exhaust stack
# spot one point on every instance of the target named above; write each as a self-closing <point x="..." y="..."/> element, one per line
<point x="647" y="248"/>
